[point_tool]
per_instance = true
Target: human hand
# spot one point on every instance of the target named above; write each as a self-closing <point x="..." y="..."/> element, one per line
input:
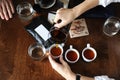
<point x="65" y="15"/>
<point x="63" y="69"/>
<point x="6" y="9"/>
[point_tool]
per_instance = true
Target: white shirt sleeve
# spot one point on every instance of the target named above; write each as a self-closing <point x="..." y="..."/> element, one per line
<point x="107" y="2"/>
<point x="103" y="77"/>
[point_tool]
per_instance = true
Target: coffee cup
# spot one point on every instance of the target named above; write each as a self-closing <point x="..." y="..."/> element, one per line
<point x="56" y="50"/>
<point x="72" y="55"/>
<point x="89" y="54"/>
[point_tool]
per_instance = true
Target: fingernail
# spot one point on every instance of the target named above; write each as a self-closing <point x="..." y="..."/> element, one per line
<point x="2" y="18"/>
<point x="11" y="16"/>
<point x="7" y="19"/>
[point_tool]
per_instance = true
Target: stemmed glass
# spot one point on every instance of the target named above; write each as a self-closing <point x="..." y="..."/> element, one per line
<point x="111" y="26"/>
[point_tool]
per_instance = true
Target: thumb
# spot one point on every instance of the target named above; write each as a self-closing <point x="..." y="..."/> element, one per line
<point x="59" y="25"/>
<point x="62" y="61"/>
<point x="51" y="60"/>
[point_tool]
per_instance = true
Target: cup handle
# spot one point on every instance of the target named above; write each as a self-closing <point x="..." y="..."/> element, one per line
<point x="71" y="46"/>
<point x="62" y="44"/>
<point x="88" y="45"/>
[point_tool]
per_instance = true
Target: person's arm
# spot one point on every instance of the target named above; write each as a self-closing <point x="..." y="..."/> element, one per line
<point x="64" y="70"/>
<point x="84" y="6"/>
<point x="89" y="4"/>
<point x="6" y="9"/>
<point x="68" y="15"/>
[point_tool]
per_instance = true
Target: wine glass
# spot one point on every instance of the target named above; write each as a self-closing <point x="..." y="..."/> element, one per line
<point x="111" y="26"/>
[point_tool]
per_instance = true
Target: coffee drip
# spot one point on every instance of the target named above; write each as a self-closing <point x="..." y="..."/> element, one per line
<point x="58" y="35"/>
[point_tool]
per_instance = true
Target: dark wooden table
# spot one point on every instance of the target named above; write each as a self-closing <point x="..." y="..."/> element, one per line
<point x="15" y="63"/>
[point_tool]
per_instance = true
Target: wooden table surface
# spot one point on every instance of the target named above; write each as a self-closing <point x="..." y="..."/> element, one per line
<point x="15" y="63"/>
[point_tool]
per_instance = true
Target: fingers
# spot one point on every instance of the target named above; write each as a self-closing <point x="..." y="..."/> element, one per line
<point x="53" y="63"/>
<point x="62" y="61"/>
<point x="60" y="19"/>
<point x="50" y="59"/>
<point x="57" y="17"/>
<point x="11" y="6"/>
<point x="1" y="13"/>
<point x="6" y="9"/>
<point x="60" y="25"/>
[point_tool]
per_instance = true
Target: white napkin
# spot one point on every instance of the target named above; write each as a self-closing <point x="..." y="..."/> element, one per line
<point x="103" y="77"/>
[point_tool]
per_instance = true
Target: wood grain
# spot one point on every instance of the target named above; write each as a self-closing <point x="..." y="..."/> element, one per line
<point x="15" y="63"/>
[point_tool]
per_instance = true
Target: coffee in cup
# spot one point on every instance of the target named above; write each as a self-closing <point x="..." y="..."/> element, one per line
<point x="56" y="50"/>
<point x="72" y="55"/>
<point x="89" y="53"/>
